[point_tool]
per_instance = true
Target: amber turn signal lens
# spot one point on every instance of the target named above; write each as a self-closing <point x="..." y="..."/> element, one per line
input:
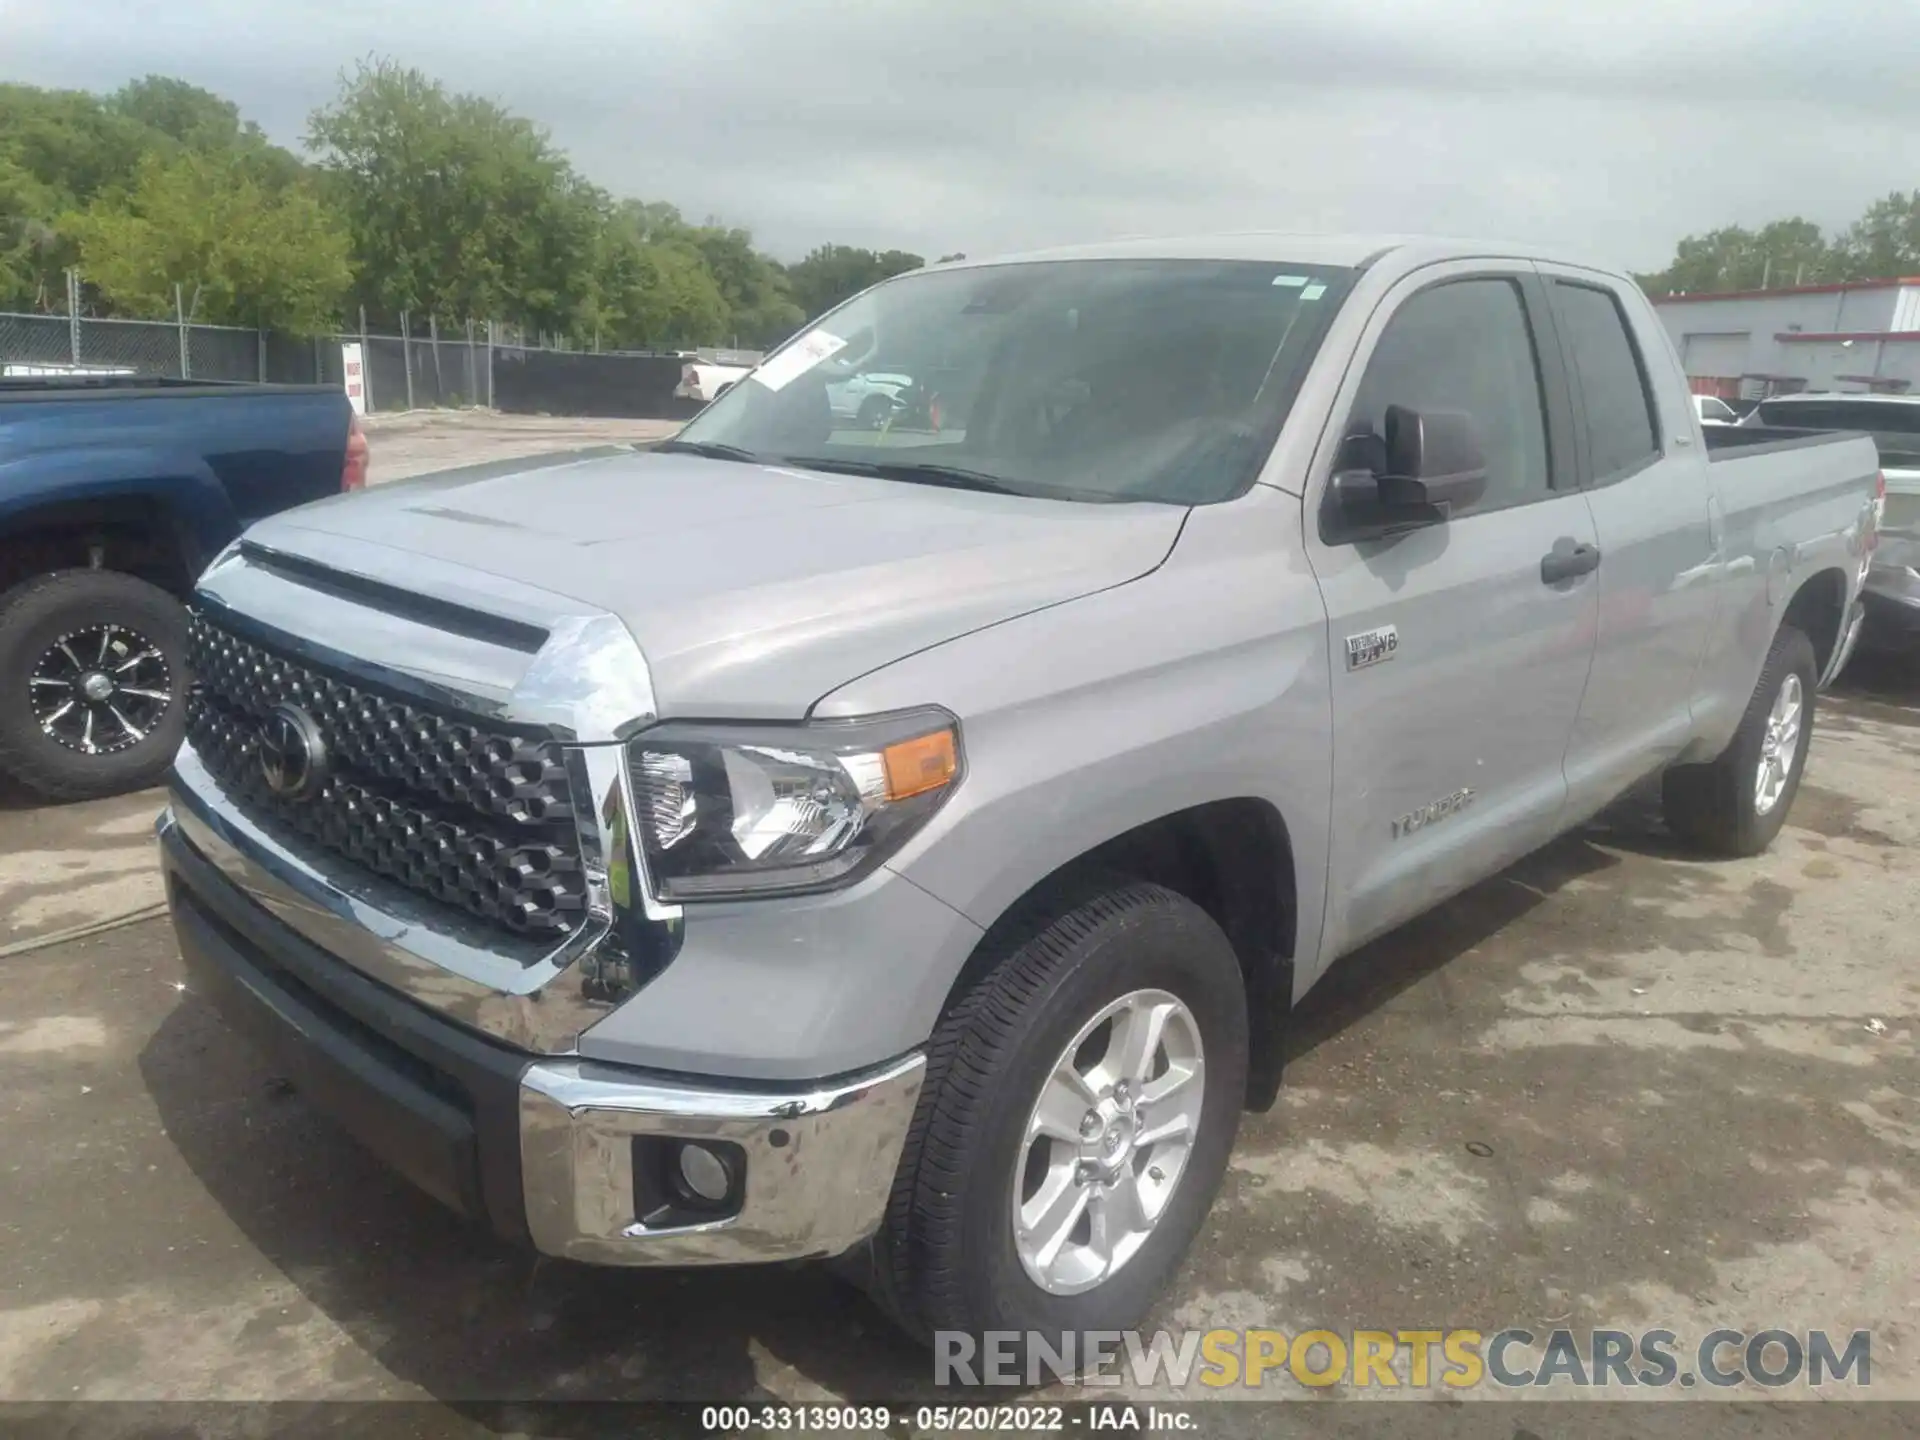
<point x="919" y="765"/>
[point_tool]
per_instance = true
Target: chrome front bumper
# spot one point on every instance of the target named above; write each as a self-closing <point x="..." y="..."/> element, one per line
<point x="543" y="1148"/>
<point x="819" y="1164"/>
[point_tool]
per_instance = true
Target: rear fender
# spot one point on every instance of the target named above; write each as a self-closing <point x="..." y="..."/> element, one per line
<point x="52" y="483"/>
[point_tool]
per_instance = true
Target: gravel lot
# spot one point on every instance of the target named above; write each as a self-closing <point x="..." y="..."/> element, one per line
<point x="421" y="440"/>
<point x="1690" y="1092"/>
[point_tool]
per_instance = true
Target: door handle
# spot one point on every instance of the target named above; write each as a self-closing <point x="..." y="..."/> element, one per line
<point x="1568" y="564"/>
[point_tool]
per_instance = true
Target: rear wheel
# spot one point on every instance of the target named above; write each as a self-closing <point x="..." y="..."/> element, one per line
<point x="1737" y="804"/>
<point x="92" y="683"/>
<point x="1080" y="1104"/>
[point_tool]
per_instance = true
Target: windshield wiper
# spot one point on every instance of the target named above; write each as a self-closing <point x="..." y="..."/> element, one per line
<point x="708" y="450"/>
<point x="915" y="472"/>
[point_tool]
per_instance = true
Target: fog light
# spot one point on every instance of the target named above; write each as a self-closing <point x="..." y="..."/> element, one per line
<point x="705" y="1174"/>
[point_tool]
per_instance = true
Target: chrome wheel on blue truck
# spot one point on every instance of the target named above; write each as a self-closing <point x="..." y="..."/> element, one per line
<point x="101" y="689"/>
<point x="92" y="675"/>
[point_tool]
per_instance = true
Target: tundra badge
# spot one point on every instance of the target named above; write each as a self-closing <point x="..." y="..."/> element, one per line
<point x="1370" y="647"/>
<point x="1431" y="814"/>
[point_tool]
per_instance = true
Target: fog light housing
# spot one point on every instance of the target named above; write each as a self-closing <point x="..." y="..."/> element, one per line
<point x="677" y="1183"/>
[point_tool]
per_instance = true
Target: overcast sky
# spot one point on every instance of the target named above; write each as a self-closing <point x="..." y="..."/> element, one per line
<point x="1616" y="126"/>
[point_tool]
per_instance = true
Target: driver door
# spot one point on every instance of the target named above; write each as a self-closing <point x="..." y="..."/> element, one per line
<point x="1458" y="666"/>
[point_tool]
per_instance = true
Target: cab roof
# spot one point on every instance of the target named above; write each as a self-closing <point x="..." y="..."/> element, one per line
<point x="1291" y="247"/>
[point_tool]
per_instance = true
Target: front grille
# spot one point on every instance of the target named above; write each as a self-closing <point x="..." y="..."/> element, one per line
<point x="469" y="816"/>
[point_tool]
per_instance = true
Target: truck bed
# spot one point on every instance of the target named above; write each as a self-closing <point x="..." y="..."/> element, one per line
<point x="1743" y="440"/>
<point x="38" y="388"/>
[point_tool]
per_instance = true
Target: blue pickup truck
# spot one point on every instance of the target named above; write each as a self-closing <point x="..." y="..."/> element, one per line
<point x="114" y="495"/>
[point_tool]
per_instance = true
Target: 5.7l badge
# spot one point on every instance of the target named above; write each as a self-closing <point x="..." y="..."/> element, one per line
<point x="1370" y="647"/>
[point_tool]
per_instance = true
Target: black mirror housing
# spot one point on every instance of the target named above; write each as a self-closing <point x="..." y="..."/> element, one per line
<point x="1434" y="457"/>
<point x="1426" y="464"/>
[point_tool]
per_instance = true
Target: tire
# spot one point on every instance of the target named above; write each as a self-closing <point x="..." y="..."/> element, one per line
<point x="1720" y="807"/>
<point x="56" y="632"/>
<point x="874" y="411"/>
<point x="946" y="1258"/>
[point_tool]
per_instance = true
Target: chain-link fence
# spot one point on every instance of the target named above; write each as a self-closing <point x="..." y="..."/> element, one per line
<point x="446" y="367"/>
<point x="30" y="342"/>
<point x="430" y="364"/>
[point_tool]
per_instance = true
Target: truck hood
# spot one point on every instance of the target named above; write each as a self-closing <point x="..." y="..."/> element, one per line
<point x="752" y="590"/>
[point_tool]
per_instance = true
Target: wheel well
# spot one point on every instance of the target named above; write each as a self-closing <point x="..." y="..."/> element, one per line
<point x="133" y="535"/>
<point x="1818" y="611"/>
<point x="1232" y="858"/>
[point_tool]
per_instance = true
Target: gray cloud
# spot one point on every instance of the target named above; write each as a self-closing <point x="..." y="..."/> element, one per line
<point x="1615" y="127"/>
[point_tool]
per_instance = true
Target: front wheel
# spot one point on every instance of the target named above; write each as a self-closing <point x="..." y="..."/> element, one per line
<point x="1737" y="804"/>
<point x="1080" y="1105"/>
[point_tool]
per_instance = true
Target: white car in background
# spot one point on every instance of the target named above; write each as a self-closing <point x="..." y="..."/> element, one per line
<point x="868" y="398"/>
<point x="1714" y="411"/>
<point x="707" y="383"/>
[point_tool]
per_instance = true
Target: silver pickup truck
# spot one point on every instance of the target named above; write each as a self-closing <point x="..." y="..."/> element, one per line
<point x="905" y="843"/>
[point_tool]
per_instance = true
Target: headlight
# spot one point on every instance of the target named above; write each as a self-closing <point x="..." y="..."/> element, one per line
<point x="731" y="811"/>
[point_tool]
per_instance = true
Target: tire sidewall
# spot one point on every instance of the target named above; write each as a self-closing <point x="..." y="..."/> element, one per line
<point x="1150" y="948"/>
<point x="36" y="615"/>
<point x="1791" y="653"/>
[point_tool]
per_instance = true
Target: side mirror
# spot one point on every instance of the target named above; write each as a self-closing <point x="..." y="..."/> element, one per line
<point x="1435" y="457"/>
<point x="1410" y="478"/>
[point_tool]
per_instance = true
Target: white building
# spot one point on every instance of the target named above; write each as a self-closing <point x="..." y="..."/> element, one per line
<point x="1860" y="337"/>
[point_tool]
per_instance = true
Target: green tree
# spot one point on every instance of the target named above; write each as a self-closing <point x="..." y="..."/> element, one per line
<point x="1785" y="252"/>
<point x="833" y="273"/>
<point x="69" y="140"/>
<point x="1884" y="244"/>
<point x="651" y="287"/>
<point x="244" y="254"/>
<point x="454" y="205"/>
<point x="28" y="240"/>
<point x="760" y="309"/>
<point x="197" y="119"/>
<point x="185" y="113"/>
<point x="63" y="151"/>
<point x="58" y="149"/>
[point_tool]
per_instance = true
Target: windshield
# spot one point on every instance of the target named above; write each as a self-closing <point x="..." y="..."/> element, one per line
<point x="1097" y="380"/>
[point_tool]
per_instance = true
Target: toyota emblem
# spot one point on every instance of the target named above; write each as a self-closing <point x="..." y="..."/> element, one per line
<point x="293" y="754"/>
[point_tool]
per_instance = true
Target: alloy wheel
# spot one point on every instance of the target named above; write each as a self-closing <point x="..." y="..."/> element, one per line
<point x="1107" y="1141"/>
<point x="100" y="689"/>
<point x="1780" y="747"/>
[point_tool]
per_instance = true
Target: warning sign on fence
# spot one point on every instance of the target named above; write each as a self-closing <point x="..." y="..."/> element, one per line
<point x="356" y="377"/>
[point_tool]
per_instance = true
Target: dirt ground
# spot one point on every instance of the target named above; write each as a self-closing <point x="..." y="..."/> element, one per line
<point x="1614" y="1086"/>
<point x="421" y="440"/>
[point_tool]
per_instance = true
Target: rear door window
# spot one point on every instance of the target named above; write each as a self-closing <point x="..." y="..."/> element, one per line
<point x="1622" y="429"/>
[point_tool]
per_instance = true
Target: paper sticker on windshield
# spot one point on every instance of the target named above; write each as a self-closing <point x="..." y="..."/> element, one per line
<point x="1292" y="282"/>
<point x="798" y="358"/>
<point x="1313" y="292"/>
